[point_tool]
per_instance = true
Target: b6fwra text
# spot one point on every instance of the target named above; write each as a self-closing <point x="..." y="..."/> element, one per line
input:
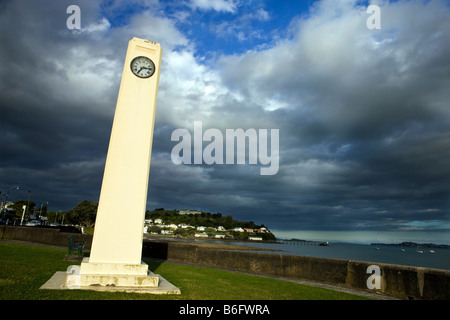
<point x="235" y="309"/>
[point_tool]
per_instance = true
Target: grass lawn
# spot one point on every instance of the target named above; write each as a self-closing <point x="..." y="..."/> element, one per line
<point x="25" y="268"/>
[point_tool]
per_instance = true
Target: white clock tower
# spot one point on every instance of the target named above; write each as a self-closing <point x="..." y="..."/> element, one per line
<point x="115" y="258"/>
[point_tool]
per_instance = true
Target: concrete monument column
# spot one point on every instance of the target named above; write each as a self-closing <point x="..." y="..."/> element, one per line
<point x="115" y="257"/>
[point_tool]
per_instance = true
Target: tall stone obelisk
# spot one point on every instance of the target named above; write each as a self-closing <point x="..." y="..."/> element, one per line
<point x="115" y="258"/>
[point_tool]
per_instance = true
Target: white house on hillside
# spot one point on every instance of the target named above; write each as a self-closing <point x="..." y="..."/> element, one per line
<point x="182" y="212"/>
<point x="201" y="235"/>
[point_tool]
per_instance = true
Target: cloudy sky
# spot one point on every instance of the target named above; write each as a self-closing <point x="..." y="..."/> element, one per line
<point x="363" y="115"/>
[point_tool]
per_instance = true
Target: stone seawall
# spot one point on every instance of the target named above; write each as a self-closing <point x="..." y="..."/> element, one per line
<point x="400" y="281"/>
<point x="51" y="235"/>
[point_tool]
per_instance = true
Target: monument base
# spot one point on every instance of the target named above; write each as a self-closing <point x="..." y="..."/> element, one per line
<point x="110" y="277"/>
<point x="116" y="274"/>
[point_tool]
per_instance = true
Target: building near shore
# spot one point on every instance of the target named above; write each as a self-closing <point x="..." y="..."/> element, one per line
<point x="182" y="212"/>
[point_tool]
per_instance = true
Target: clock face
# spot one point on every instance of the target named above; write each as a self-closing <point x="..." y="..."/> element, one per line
<point x="142" y="67"/>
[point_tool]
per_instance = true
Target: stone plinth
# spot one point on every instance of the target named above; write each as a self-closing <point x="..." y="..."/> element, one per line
<point x="116" y="274"/>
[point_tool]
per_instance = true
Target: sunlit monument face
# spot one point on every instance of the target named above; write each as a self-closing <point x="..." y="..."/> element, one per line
<point x="116" y="251"/>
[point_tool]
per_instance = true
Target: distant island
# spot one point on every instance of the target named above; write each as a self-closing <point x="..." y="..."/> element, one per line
<point x="413" y="244"/>
<point x="198" y="224"/>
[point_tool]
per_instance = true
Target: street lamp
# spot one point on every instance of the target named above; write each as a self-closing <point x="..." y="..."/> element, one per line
<point x="7" y="194"/>
<point x="40" y="211"/>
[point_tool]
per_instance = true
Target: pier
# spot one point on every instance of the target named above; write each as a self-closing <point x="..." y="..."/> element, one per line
<point x="304" y="243"/>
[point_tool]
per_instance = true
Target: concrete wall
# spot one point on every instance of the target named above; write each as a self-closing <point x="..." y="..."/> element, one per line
<point x="400" y="281"/>
<point x="51" y="236"/>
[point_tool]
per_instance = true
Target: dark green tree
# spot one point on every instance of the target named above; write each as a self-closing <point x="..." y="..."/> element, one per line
<point x="84" y="213"/>
<point x="228" y="222"/>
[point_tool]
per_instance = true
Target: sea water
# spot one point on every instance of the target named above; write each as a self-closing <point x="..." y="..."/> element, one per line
<point x="438" y="258"/>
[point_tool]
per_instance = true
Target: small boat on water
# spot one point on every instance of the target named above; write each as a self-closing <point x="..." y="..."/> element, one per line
<point x="324" y="244"/>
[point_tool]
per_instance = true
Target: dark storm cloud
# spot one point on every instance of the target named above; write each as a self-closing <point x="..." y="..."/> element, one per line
<point x="363" y="115"/>
<point x="366" y="127"/>
<point x="58" y="94"/>
<point x="50" y="144"/>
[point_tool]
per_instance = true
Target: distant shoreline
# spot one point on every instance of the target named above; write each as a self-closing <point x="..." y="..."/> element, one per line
<point x="413" y="244"/>
<point x="178" y="237"/>
<point x="210" y="243"/>
<point x="215" y="241"/>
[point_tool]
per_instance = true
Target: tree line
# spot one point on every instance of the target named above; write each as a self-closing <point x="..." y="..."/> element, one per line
<point x="205" y="219"/>
<point x="82" y="214"/>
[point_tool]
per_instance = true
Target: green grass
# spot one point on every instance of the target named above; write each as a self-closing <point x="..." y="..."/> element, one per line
<point x="25" y="268"/>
